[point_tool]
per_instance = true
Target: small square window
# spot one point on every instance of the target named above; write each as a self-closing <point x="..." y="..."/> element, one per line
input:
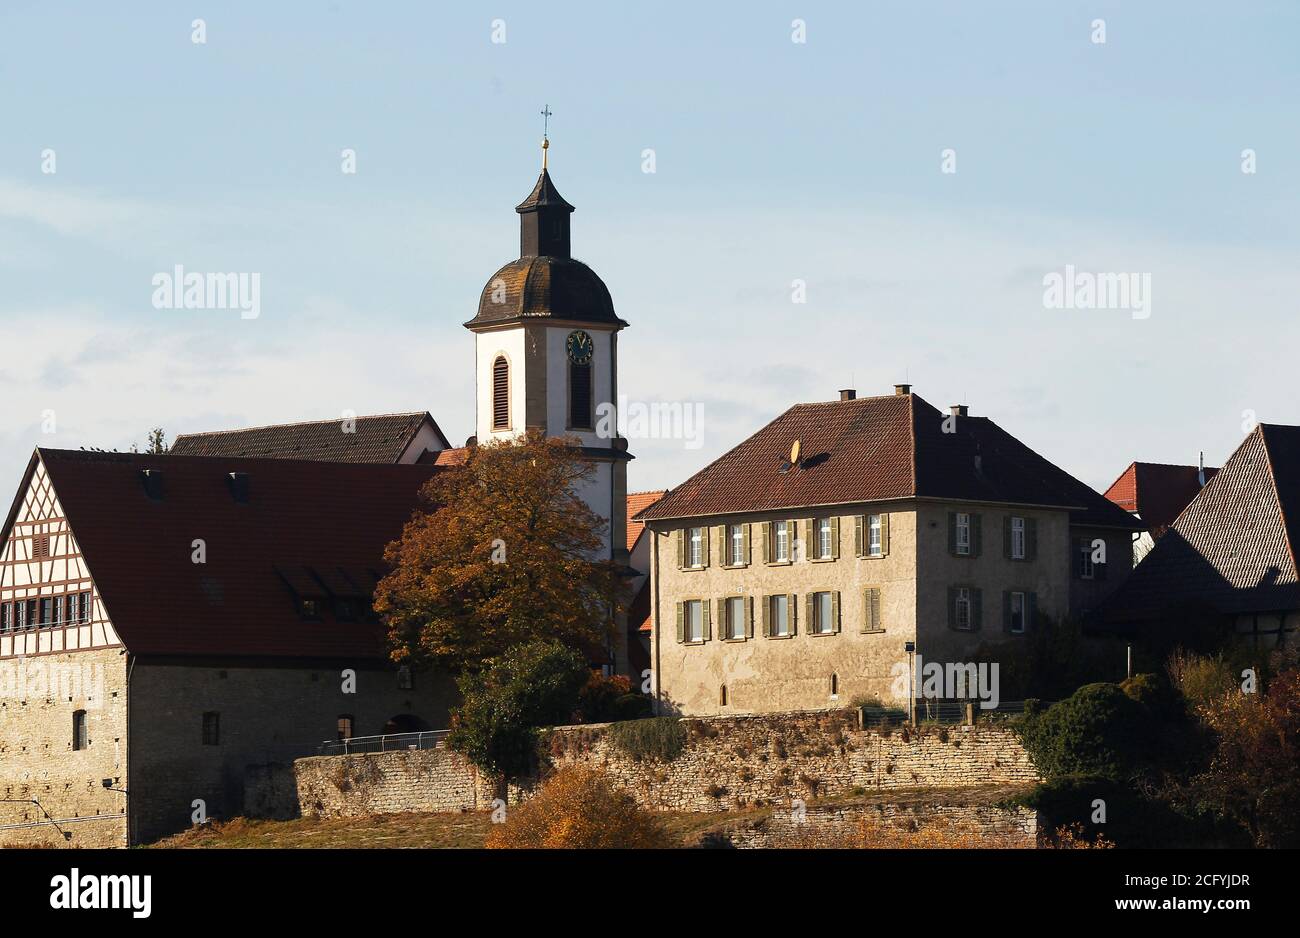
<point x="1086" y="569"/>
<point x="875" y="539"/>
<point x="781" y="541"/>
<point x="823" y="608"/>
<point x="963" y="611"/>
<point x="1017" y="538"/>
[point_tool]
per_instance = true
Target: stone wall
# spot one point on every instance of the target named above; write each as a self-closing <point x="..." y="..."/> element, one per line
<point x="50" y="788"/>
<point x="727" y="762"/>
<point x="841" y="825"/>
<point x="423" y="780"/>
<point x="266" y="715"/>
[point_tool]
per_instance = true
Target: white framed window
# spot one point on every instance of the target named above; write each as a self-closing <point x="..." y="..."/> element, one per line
<point x="694" y="547"/>
<point x="1017" y="538"/>
<point x="734" y="626"/>
<point x="875" y="541"/>
<point x="824" y="533"/>
<point x="1019" y="612"/>
<point x="1086" y="569"/>
<point x="778" y="615"/>
<point x="736" y="544"/>
<point x="693" y="620"/>
<point x="781" y="541"/>
<point x="963" y="533"/>
<point x="963" y="617"/>
<point x="823" y="613"/>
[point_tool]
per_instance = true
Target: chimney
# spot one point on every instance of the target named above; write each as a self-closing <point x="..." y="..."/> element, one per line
<point x="958" y="410"/>
<point x="902" y="390"/>
<point x="1200" y="473"/>
<point x="848" y="394"/>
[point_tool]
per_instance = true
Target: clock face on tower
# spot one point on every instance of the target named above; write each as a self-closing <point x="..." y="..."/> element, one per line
<point x="579" y="347"/>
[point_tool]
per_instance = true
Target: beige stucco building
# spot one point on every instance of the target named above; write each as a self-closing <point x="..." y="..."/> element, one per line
<point x="782" y="584"/>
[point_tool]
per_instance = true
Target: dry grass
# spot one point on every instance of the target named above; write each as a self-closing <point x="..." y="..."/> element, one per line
<point x="424" y="831"/>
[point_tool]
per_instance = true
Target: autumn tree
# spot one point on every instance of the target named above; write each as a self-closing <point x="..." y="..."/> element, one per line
<point x="502" y="551"/>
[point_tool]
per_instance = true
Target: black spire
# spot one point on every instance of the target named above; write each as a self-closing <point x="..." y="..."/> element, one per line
<point x="544" y="221"/>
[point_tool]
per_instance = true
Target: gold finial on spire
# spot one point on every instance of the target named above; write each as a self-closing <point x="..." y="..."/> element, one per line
<point x="546" y="127"/>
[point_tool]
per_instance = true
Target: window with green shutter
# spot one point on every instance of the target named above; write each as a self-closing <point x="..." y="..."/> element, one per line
<point x="871" y="621"/>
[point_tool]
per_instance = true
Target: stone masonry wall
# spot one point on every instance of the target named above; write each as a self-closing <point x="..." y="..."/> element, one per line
<point x="839" y="825"/>
<point x="727" y="762"/>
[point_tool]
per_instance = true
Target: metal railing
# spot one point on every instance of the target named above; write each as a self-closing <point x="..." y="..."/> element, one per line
<point x="391" y="742"/>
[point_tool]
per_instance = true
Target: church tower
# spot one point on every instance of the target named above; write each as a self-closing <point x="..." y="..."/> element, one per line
<point x="546" y="351"/>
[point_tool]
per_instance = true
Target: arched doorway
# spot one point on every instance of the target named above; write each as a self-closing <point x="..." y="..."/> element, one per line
<point x="404" y="723"/>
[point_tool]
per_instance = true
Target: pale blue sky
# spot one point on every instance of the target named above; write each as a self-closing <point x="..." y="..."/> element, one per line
<point x="775" y="161"/>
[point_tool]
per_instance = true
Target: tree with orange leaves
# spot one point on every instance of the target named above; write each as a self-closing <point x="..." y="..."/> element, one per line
<point x="502" y="551"/>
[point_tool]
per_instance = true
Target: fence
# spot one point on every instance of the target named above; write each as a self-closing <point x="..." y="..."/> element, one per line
<point x="942" y="711"/>
<point x="430" y="739"/>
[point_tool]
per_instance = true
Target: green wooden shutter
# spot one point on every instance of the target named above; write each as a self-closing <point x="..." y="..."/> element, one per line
<point x="792" y="610"/>
<point x="976" y="535"/>
<point x="1031" y="610"/>
<point x="952" y="533"/>
<point x="859" y="541"/>
<point x="768" y="548"/>
<point x="765" y="615"/>
<point x="744" y="529"/>
<point x="706" y="630"/>
<point x="877" y="623"/>
<point x="811" y="545"/>
<point x="1006" y="610"/>
<point x="835" y="536"/>
<point x="1006" y="537"/>
<point x="724" y="624"/>
<point x="884" y="533"/>
<point x="810" y="614"/>
<point x="1031" y="538"/>
<point x="835" y="612"/>
<point x="952" y="605"/>
<point x="976" y="609"/>
<point x="749" y="617"/>
<point x="704" y="545"/>
<point x="681" y="622"/>
<point x="680" y="535"/>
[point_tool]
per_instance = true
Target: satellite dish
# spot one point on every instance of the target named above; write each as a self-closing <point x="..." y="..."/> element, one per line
<point x="794" y="454"/>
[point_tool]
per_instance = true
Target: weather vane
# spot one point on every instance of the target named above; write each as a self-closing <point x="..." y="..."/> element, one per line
<point x="546" y="129"/>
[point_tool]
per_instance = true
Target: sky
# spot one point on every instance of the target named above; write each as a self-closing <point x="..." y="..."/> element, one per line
<point x="801" y="231"/>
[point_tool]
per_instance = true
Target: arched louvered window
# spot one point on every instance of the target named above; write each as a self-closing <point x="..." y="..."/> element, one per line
<point x="500" y="394"/>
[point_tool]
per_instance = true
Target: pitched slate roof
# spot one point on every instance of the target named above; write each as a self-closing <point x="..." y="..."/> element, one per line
<point x="636" y="503"/>
<point x="1157" y="492"/>
<point x="379" y="439"/>
<point x="881" y="449"/>
<point x="1233" y="548"/>
<point x="306" y="525"/>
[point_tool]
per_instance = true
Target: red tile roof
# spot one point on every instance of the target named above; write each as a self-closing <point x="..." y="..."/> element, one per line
<point x="636" y="503"/>
<point x="307" y="523"/>
<point x="379" y="439"/>
<point x="451" y="457"/>
<point x="1233" y="548"/>
<point x="879" y="449"/>
<point x="1157" y="492"/>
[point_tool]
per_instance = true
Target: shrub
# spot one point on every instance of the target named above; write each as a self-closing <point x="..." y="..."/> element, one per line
<point x="1200" y="678"/>
<point x="532" y="685"/>
<point x="1098" y="730"/>
<point x="1155" y="693"/>
<point x="579" y="808"/>
<point x="661" y="738"/>
<point x="1130" y="819"/>
<point x="609" y="699"/>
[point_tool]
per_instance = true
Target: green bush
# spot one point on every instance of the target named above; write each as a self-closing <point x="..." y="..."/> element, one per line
<point x="659" y="738"/>
<point x="532" y="685"/>
<point x="1099" y="730"/>
<point x="1124" y="816"/>
<point x="1155" y="693"/>
<point x="608" y="699"/>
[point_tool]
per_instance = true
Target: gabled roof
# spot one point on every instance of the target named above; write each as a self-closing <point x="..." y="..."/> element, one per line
<point x="306" y="526"/>
<point x="378" y="439"/>
<point x="882" y="449"/>
<point x="1233" y="548"/>
<point x="1157" y="492"/>
<point x="636" y="503"/>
